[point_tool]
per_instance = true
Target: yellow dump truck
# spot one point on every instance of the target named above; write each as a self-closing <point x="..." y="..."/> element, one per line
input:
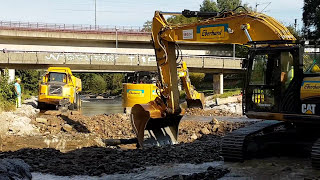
<point x="58" y="88"/>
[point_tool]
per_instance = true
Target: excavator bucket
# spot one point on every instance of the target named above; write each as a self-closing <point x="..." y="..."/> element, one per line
<point x="152" y="127"/>
<point x="196" y="103"/>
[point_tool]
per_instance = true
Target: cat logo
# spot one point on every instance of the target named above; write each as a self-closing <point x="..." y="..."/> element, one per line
<point x="308" y="108"/>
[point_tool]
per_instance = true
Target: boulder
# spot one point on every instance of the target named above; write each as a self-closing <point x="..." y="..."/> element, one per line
<point x="42" y="120"/>
<point x="67" y="127"/>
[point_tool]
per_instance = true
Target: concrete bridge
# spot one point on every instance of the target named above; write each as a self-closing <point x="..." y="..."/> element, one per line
<point x="111" y="61"/>
<point x="101" y="48"/>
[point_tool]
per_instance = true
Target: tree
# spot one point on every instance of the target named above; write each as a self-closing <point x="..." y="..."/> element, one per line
<point x="181" y="20"/>
<point x="30" y="80"/>
<point x="221" y="5"/>
<point x="311" y="19"/>
<point x="97" y="84"/>
<point x="147" y="26"/>
<point x="196" y="79"/>
<point x="209" y="6"/>
<point x="294" y="32"/>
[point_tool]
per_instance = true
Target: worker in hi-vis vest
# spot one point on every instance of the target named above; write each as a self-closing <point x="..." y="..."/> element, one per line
<point x="18" y="93"/>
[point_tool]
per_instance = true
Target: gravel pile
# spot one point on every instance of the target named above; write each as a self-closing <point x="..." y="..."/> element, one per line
<point x="212" y="112"/>
<point x="210" y="174"/>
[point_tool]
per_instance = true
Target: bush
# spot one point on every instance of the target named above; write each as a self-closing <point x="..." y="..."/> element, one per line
<point x="196" y="79"/>
<point x="97" y="84"/>
<point x="7" y="97"/>
<point x="29" y="82"/>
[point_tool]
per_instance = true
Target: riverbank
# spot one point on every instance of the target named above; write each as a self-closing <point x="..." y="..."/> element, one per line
<point x="70" y="145"/>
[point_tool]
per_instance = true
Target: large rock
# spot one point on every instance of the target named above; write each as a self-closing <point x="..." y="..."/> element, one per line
<point x="67" y="127"/>
<point x="22" y="126"/>
<point x="231" y="99"/>
<point x="14" y="169"/>
<point x="42" y="120"/>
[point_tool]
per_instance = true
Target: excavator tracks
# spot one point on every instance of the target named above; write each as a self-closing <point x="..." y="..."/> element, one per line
<point x="234" y="143"/>
<point x="315" y="155"/>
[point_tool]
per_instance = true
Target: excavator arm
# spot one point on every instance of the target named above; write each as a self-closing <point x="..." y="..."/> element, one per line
<point x="157" y="122"/>
<point x="194" y="98"/>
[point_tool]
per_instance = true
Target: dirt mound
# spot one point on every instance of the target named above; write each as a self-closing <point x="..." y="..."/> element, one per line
<point x="210" y="112"/>
<point x="191" y="130"/>
<point x="96" y="160"/>
<point x="104" y="126"/>
<point x="118" y="126"/>
<point x="204" y="147"/>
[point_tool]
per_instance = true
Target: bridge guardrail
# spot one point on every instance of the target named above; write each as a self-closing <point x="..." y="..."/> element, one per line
<point x="76" y="58"/>
<point x="34" y="26"/>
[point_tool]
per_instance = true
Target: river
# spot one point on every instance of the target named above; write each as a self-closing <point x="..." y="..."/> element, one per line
<point x="107" y="106"/>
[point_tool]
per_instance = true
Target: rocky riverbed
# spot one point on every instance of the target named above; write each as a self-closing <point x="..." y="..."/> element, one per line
<point x="71" y="144"/>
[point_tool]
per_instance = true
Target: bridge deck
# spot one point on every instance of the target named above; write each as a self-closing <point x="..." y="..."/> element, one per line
<point x="110" y="61"/>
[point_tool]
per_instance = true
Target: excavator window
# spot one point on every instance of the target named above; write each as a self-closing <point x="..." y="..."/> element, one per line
<point x="264" y="81"/>
<point x="287" y="69"/>
<point x="311" y="63"/>
<point x="258" y="70"/>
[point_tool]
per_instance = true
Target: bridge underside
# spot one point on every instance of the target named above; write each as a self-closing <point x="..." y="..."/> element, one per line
<point x="116" y="68"/>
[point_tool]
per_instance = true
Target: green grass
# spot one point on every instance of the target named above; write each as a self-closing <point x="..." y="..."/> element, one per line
<point x="6" y="105"/>
<point x="228" y="93"/>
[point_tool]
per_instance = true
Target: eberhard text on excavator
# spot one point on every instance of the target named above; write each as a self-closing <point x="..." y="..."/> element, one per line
<point x="276" y="89"/>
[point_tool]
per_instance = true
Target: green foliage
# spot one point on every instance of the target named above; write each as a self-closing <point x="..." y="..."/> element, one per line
<point x="196" y="79"/>
<point x="311" y="19"/>
<point x="295" y="33"/>
<point x="241" y="51"/>
<point x="29" y="82"/>
<point x="206" y="6"/>
<point x="7" y="98"/>
<point x="221" y="5"/>
<point x="181" y="20"/>
<point x="209" y="6"/>
<point x="228" y="93"/>
<point x="98" y="83"/>
<point x="147" y="26"/>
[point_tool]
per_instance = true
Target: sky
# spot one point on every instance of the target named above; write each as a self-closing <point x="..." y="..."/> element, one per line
<point x="126" y="12"/>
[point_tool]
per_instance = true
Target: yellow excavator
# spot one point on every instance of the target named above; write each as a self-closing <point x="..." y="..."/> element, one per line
<point x="142" y="90"/>
<point x="276" y="87"/>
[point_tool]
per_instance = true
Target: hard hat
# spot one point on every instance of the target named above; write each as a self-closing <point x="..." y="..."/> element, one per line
<point x="18" y="79"/>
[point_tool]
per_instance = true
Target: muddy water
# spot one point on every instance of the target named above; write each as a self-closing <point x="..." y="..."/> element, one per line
<point x="95" y="107"/>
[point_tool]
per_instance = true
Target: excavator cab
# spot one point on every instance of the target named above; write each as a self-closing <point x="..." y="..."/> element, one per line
<point x="273" y="74"/>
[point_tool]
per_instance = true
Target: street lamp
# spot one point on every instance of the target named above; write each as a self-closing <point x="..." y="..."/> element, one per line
<point x="117" y="37"/>
<point x="95" y="14"/>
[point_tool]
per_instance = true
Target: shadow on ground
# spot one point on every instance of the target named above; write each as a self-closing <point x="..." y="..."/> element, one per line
<point x="75" y="124"/>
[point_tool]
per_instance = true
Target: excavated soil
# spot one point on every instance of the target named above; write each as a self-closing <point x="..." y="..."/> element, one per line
<point x="200" y="142"/>
<point x="211" y="112"/>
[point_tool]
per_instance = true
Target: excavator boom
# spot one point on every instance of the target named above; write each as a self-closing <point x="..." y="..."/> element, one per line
<point x="164" y="113"/>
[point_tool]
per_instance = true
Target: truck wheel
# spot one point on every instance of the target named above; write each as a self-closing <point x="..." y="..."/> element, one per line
<point x="77" y="102"/>
<point x="71" y="106"/>
<point x="42" y="106"/>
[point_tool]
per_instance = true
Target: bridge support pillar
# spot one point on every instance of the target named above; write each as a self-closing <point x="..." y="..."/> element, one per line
<point x="218" y="83"/>
<point x="11" y="73"/>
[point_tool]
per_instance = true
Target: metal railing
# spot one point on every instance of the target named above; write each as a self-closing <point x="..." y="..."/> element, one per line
<point x="80" y="28"/>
